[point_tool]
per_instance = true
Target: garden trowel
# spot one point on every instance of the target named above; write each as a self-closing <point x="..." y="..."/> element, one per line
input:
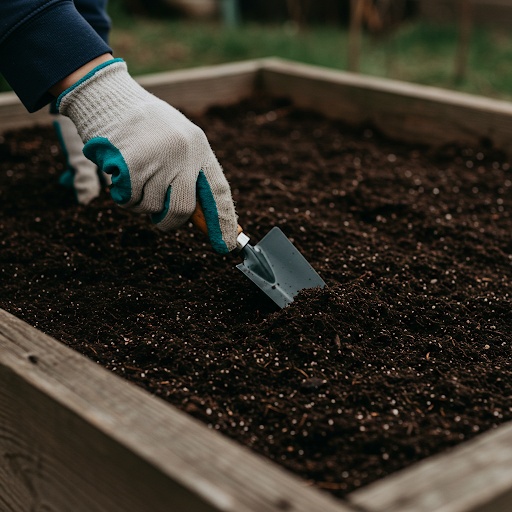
<point x="274" y="264"/>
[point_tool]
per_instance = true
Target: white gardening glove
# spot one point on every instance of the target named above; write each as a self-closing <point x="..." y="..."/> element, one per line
<point x="158" y="159"/>
<point x="82" y="175"/>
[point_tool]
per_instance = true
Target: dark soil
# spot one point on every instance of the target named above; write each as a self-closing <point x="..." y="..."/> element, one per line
<point x="406" y="353"/>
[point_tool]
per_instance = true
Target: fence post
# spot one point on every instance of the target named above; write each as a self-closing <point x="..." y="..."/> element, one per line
<point x="464" y="39"/>
<point x="355" y="34"/>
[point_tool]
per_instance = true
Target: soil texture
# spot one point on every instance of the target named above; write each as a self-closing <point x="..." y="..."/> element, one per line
<point x="404" y="354"/>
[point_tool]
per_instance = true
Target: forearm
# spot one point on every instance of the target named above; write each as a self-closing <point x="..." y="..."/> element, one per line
<point x="74" y="77"/>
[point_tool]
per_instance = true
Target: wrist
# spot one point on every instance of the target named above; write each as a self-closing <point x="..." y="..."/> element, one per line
<point x="100" y="100"/>
<point x="74" y="77"/>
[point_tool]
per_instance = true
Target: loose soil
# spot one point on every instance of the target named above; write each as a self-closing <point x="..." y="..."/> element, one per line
<point x="404" y="354"/>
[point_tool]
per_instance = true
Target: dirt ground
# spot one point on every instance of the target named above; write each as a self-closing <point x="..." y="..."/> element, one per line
<point x="404" y="354"/>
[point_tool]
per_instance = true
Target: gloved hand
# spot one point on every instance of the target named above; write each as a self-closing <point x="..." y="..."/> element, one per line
<point x="81" y="175"/>
<point x="158" y="159"/>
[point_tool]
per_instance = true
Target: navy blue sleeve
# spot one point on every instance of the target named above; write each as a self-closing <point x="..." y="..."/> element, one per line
<point x="43" y="41"/>
<point x="95" y="13"/>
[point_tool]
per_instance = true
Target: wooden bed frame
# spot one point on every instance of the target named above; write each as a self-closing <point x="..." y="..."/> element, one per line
<point x="67" y="446"/>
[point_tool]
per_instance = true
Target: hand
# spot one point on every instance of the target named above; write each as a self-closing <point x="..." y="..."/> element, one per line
<point x="158" y="159"/>
<point x="82" y="175"/>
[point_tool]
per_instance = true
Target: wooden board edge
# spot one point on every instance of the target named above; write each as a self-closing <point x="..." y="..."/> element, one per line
<point x="202" y="73"/>
<point x="400" y="110"/>
<point x="8" y="98"/>
<point x="387" y="85"/>
<point x="206" y="469"/>
<point x="193" y="90"/>
<point x="474" y="476"/>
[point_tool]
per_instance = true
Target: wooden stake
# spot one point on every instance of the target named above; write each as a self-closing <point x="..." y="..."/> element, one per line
<point x="355" y="34"/>
<point x="299" y="10"/>
<point x="463" y="44"/>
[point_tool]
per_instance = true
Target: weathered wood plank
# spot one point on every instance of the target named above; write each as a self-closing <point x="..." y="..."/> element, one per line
<point x="75" y="437"/>
<point x="401" y="110"/>
<point x="476" y="476"/>
<point x="14" y="115"/>
<point x="193" y="90"/>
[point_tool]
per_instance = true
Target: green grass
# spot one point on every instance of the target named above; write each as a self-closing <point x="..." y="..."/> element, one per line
<point x="425" y="54"/>
<point x="150" y="46"/>
<point x="416" y="52"/>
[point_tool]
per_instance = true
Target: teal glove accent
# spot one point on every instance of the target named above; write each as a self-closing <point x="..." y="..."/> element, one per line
<point x="67" y="179"/>
<point x="159" y="217"/>
<point x="108" y="158"/>
<point x="84" y="79"/>
<point x="211" y="215"/>
<point x="68" y="176"/>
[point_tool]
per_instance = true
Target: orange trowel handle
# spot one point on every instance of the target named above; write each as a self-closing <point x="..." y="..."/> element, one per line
<point x="200" y="222"/>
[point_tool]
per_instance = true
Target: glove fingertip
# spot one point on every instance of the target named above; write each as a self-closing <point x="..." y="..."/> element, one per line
<point x="216" y="233"/>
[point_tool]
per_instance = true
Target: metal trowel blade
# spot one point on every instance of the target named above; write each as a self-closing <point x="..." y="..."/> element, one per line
<point x="278" y="268"/>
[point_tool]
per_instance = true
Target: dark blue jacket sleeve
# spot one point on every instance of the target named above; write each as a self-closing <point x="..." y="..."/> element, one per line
<point x="43" y="41"/>
<point x="95" y="13"/>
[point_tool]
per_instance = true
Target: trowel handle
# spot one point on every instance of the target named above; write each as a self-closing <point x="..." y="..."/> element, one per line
<point x="200" y="222"/>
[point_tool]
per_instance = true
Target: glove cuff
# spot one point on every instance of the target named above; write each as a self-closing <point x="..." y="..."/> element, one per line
<point x="99" y="98"/>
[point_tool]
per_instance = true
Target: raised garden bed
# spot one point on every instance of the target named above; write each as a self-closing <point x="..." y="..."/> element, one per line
<point x="405" y="354"/>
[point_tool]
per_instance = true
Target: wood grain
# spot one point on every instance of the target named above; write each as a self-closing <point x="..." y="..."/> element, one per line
<point x="75" y="437"/>
<point x="14" y="115"/>
<point x="403" y="111"/>
<point x="195" y="90"/>
<point x="475" y="476"/>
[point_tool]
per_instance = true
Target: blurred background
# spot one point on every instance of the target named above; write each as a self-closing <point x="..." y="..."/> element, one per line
<point x="458" y="44"/>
